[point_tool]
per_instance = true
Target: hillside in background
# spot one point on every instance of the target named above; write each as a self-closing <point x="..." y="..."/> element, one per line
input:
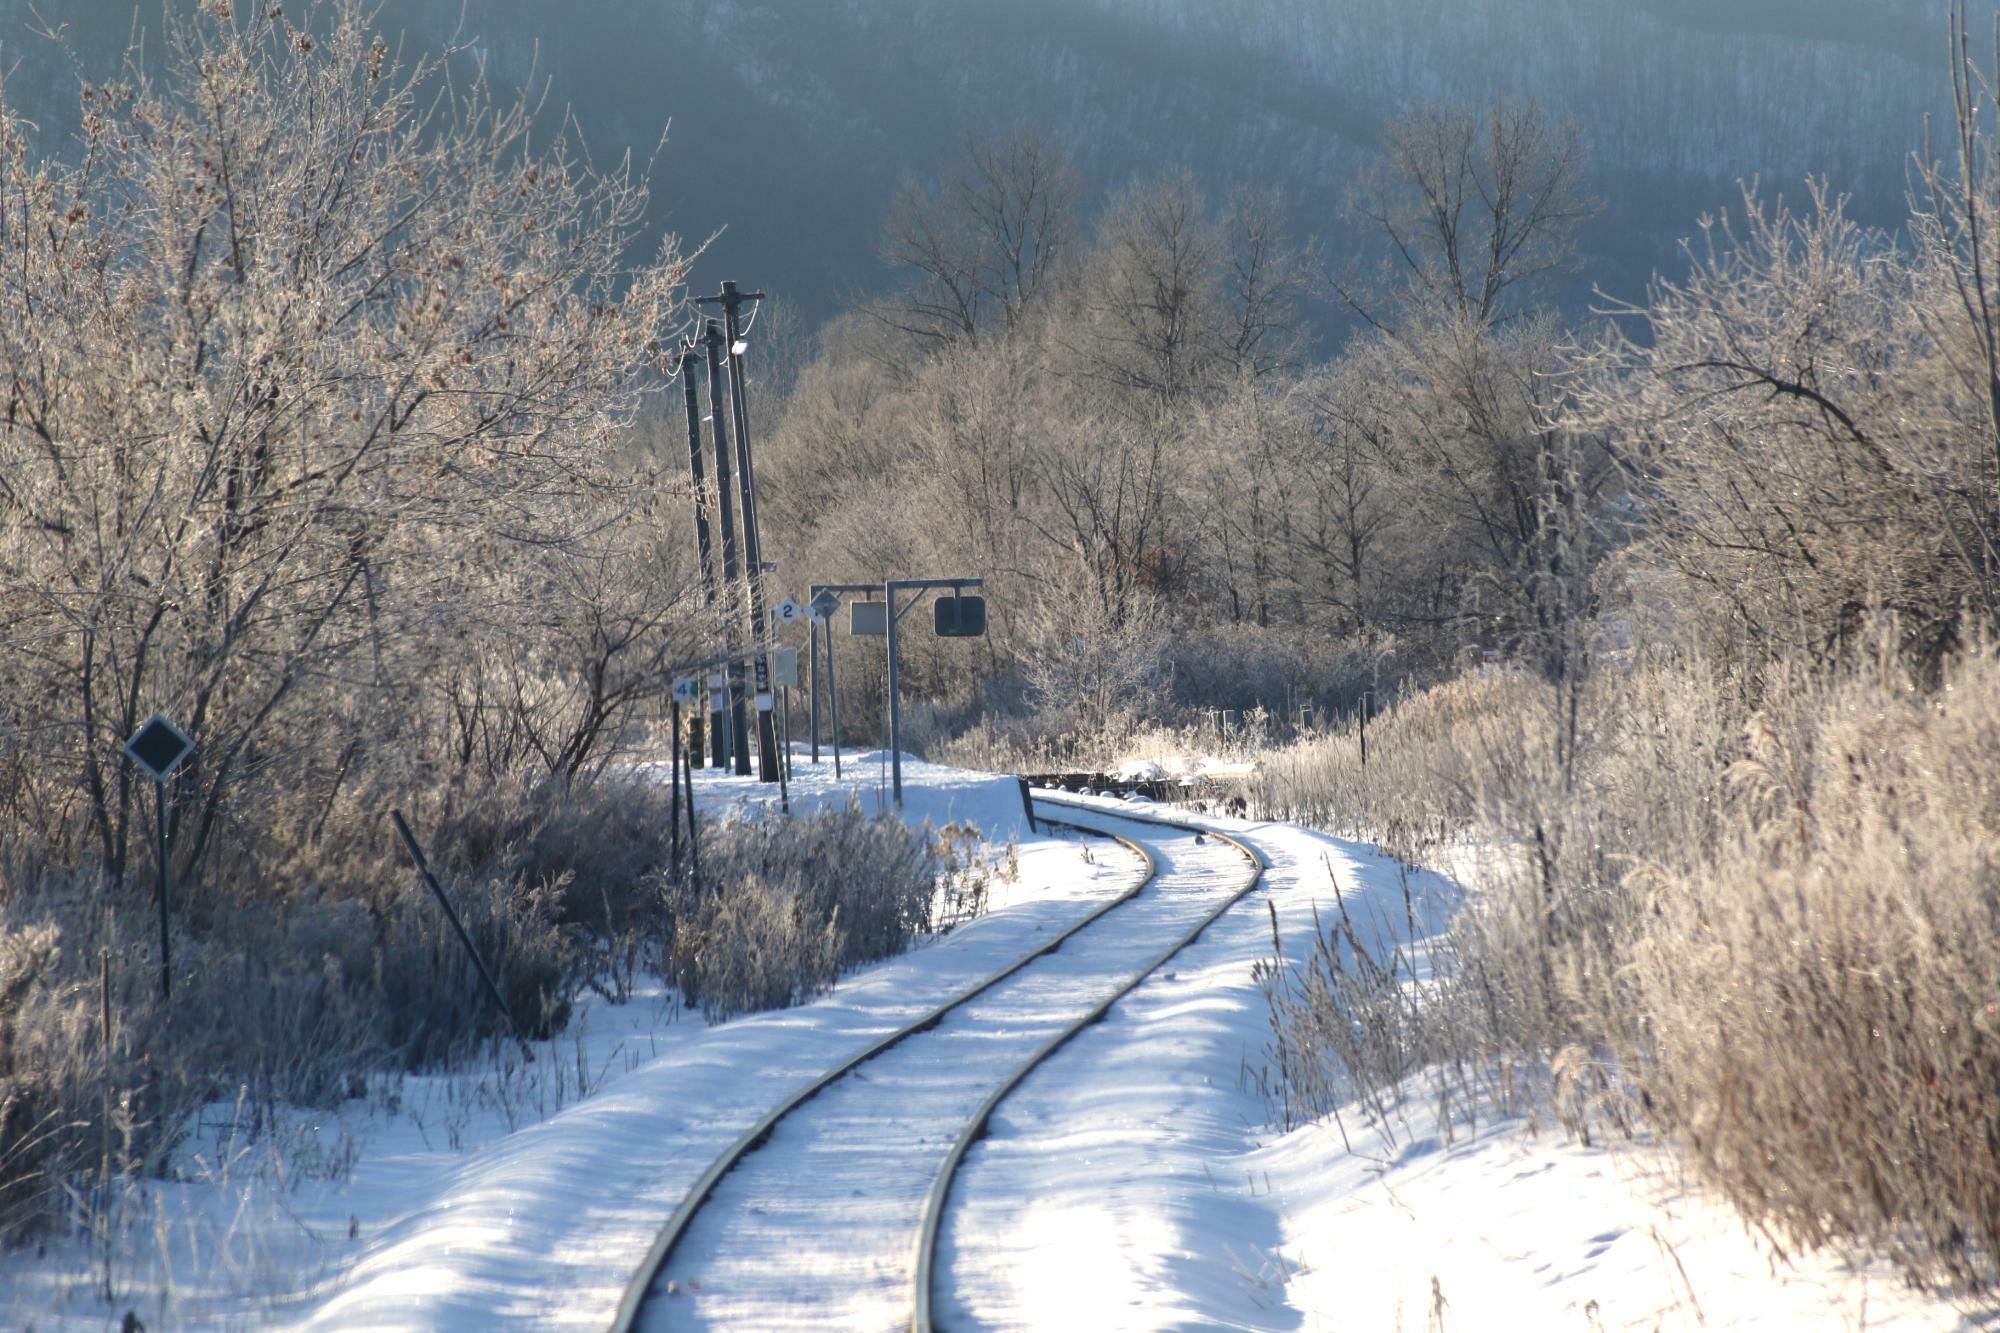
<point x="791" y="120"/>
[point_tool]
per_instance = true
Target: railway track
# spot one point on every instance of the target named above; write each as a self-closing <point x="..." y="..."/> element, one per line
<point x="861" y="1128"/>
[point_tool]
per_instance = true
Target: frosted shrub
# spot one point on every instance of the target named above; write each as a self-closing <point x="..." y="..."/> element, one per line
<point x="1762" y="915"/>
<point x="1418" y="786"/>
<point x="1816" y="987"/>
<point x="784" y="905"/>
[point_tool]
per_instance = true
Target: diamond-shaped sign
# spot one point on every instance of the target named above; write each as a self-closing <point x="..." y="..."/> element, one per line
<point x="159" y="747"/>
<point x="823" y="607"/>
<point x="788" y="612"/>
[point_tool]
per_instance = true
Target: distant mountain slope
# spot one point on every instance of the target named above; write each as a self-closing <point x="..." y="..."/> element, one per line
<point x="792" y="119"/>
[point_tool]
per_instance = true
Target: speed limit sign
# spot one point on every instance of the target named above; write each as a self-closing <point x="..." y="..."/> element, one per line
<point x="789" y="611"/>
<point x="687" y="690"/>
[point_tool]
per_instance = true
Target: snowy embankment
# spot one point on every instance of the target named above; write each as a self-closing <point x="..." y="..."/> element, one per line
<point x="1137" y="1182"/>
<point x="1133" y="1182"/>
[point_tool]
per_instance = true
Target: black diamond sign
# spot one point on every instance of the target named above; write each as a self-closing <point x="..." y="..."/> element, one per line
<point x="159" y="747"/>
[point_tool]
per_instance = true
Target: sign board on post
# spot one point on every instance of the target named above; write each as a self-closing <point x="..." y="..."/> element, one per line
<point x="687" y="690"/>
<point x="868" y="619"/>
<point x="788" y="612"/>
<point x="159" y="748"/>
<point x="959" y="617"/>
<point x="785" y="668"/>
<point x="718" y="692"/>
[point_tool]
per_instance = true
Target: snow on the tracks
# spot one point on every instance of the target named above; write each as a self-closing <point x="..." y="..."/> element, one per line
<point x="1133" y="1182"/>
<point x="1136" y="1182"/>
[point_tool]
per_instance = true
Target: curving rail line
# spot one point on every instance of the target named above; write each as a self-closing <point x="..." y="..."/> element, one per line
<point x="639" y="1290"/>
<point x="940" y="1194"/>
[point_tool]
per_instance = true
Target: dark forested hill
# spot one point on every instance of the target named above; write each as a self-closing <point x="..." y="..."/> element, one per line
<point x="792" y="119"/>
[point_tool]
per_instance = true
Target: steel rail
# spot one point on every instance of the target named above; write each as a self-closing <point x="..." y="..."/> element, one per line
<point x="653" y="1269"/>
<point x="940" y="1192"/>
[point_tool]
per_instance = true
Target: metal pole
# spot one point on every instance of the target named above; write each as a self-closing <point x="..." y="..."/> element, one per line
<point x="160" y="825"/>
<point x="895" y="705"/>
<point x="694" y="852"/>
<point x="690" y="398"/>
<point x="464" y="937"/>
<point x="753" y="547"/>
<point x="832" y="702"/>
<point x="784" y="758"/>
<point x="812" y="673"/>
<point x="674" y="805"/>
<point x="718" y="415"/>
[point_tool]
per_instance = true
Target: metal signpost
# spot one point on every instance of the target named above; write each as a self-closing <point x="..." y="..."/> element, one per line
<point x="959" y="615"/>
<point x="785" y="675"/>
<point x="819" y="611"/>
<point x="159" y="748"/>
<point x="687" y="693"/>
<point x="822" y="603"/>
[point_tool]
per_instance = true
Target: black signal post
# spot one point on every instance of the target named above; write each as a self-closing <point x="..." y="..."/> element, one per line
<point x="159" y="748"/>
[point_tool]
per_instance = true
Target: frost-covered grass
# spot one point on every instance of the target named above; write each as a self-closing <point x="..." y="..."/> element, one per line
<point x="1760" y="917"/>
<point x="309" y="978"/>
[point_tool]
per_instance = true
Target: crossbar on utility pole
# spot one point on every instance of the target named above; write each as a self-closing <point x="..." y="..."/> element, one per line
<point x="889" y="590"/>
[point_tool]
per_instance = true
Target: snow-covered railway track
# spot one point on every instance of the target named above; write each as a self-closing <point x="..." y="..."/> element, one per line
<point x="827" y="1210"/>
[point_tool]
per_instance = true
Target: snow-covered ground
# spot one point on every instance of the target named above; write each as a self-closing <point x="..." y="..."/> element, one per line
<point x="1135" y="1181"/>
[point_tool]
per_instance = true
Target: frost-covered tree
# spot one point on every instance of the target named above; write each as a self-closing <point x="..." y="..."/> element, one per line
<point x="312" y="366"/>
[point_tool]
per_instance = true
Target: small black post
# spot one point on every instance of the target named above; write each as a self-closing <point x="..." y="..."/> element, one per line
<point x="783" y="714"/>
<point x="812" y="674"/>
<point x="1028" y="805"/>
<point x="1367" y="697"/>
<point x="785" y="731"/>
<point x="472" y="950"/>
<point x="160" y="824"/>
<point x="832" y="701"/>
<point x="694" y="853"/>
<point x="675" y="804"/>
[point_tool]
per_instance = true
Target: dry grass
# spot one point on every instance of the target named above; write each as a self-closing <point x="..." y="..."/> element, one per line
<point x="314" y="956"/>
<point x="1416" y="788"/>
<point x="783" y="906"/>
<point x="1818" y="987"/>
<point x="1760" y="914"/>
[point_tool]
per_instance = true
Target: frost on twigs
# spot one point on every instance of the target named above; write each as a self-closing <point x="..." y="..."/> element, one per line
<point x="312" y="358"/>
